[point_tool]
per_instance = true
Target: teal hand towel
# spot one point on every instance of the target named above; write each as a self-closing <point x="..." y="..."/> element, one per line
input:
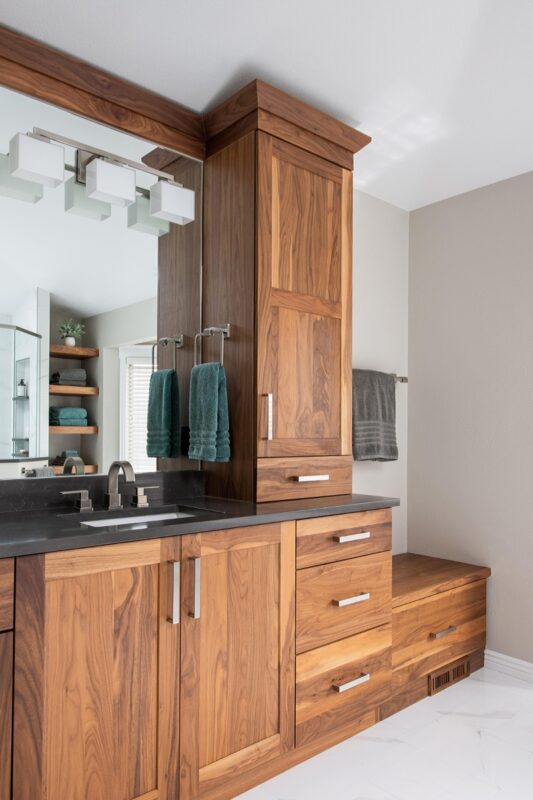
<point x="208" y="414"/>
<point x="163" y="439"/>
<point x="68" y="412"/>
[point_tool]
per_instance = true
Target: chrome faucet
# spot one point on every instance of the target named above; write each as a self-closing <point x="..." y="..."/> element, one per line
<point x="113" y="500"/>
<point x="76" y="462"/>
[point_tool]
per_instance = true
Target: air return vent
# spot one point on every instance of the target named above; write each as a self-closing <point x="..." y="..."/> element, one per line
<point x="448" y="675"/>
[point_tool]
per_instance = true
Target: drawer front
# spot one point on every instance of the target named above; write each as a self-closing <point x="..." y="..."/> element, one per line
<point x="429" y="633"/>
<point x="335" y="683"/>
<point x="336" y="600"/>
<point x="326" y="539"/>
<point x="7" y="583"/>
<point x="294" y="478"/>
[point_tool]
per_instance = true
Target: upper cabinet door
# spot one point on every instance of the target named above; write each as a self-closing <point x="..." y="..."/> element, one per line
<point x="304" y="207"/>
<point x="238" y="654"/>
<point x="97" y="674"/>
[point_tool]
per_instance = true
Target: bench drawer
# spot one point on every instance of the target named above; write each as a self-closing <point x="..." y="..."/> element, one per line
<point x="336" y="600"/>
<point x="7" y="583"/>
<point x="429" y="633"/>
<point x="326" y="539"/>
<point x="335" y="683"/>
<point x="297" y="478"/>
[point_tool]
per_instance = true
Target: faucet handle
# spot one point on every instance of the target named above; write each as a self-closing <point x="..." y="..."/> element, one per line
<point x="84" y="502"/>
<point x="139" y="499"/>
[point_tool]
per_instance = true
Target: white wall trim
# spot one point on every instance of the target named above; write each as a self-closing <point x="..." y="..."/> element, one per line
<point x="508" y="665"/>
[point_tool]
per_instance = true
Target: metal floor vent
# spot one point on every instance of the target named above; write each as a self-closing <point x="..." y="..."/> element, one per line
<point x="448" y="675"/>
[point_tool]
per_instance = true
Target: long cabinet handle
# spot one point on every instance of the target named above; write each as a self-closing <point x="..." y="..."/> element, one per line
<point x="350" y="601"/>
<point x="344" y="687"/>
<point x="351" y="537"/>
<point x="196" y="588"/>
<point x="270" y="416"/>
<point x="174" y="617"/>
<point x="310" y="478"/>
<point x="445" y="632"/>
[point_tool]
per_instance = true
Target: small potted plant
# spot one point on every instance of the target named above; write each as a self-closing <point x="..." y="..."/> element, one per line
<point x="70" y="331"/>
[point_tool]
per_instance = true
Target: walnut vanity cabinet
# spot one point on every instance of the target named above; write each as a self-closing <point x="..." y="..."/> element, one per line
<point x="6" y="673"/>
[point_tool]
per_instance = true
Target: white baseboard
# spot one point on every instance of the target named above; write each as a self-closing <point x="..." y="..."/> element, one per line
<point x="508" y="665"/>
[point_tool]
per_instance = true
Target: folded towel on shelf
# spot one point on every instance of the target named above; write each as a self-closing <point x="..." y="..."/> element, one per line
<point x="68" y="375"/>
<point x="208" y="414"/>
<point x="69" y="454"/>
<point x="163" y="428"/>
<point x="374" y="416"/>
<point x="42" y="472"/>
<point x="68" y="412"/>
<point x="68" y="383"/>
<point x="69" y="422"/>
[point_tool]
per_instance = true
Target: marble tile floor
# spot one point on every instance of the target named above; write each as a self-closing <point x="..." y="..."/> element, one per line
<point x="473" y="741"/>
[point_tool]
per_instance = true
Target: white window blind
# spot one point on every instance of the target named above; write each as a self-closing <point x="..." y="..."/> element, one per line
<point x="137" y="384"/>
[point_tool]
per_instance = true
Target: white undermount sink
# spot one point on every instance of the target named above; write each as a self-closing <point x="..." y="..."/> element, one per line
<point x="137" y="521"/>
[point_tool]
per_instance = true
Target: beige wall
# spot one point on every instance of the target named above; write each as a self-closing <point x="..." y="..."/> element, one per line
<point x="471" y="394"/>
<point x="381" y="250"/>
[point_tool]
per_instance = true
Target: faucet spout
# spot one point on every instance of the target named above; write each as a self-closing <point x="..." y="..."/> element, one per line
<point x="113" y="498"/>
<point x="73" y="462"/>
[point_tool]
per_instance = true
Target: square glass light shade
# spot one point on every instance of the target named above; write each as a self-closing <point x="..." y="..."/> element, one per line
<point x="171" y="202"/>
<point x="110" y="183"/>
<point x="140" y="219"/>
<point x="34" y="160"/>
<point x="77" y="202"/>
<point x="16" y="188"/>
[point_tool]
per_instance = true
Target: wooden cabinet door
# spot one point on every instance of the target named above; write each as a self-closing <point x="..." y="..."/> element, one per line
<point x="6" y="700"/>
<point x="238" y="654"/>
<point x="304" y="208"/>
<point x="97" y="674"/>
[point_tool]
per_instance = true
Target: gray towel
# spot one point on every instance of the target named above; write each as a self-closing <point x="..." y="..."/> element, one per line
<point x="374" y="416"/>
<point x="70" y="375"/>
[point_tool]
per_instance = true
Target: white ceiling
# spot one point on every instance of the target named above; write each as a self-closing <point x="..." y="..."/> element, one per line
<point x="444" y="87"/>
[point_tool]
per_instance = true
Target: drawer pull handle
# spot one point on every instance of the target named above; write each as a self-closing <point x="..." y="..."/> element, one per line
<point x="174" y="617"/>
<point x="344" y="687"/>
<point x="350" y="601"/>
<point x="445" y="632"/>
<point x="310" y="478"/>
<point x="351" y="537"/>
<point x="196" y="588"/>
<point x="270" y="416"/>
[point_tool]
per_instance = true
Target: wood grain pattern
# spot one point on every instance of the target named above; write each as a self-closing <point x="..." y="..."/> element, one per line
<point x="346" y="319"/>
<point x="238" y="658"/>
<point x="260" y="95"/>
<point x="319" y="621"/>
<point x="90" y="560"/>
<point x="228" y="296"/>
<point x="276" y="477"/>
<point x="318" y="706"/>
<point x="411" y="693"/>
<point x="179" y="296"/>
<point x="415" y="577"/>
<point x="416" y="652"/>
<point x="73" y="391"/>
<point x="73" y="430"/>
<point x="77" y="353"/>
<point x="90" y="469"/>
<point x="315" y="543"/>
<point x="6" y="712"/>
<point x="7" y="587"/>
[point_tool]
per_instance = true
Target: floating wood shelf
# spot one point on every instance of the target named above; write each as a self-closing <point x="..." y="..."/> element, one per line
<point x="66" y="430"/>
<point x="90" y="469"/>
<point x="62" y="351"/>
<point x="73" y="391"/>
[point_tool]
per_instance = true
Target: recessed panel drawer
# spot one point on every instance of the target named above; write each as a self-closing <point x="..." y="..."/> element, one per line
<point x="335" y="683"/>
<point x="429" y="633"/>
<point x="336" y="600"/>
<point x="294" y="478"/>
<point x="326" y="539"/>
<point x="7" y="582"/>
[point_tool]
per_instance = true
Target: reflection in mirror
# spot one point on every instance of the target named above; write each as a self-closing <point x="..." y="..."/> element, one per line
<point x="83" y="222"/>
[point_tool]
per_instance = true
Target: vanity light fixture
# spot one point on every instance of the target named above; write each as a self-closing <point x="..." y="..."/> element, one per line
<point x="36" y="160"/>
<point x="172" y="202"/>
<point x="17" y="189"/>
<point x="140" y="219"/>
<point x="77" y="202"/>
<point x="110" y="183"/>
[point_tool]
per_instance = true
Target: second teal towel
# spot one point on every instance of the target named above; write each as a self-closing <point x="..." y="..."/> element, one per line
<point x="208" y="414"/>
<point x="163" y="439"/>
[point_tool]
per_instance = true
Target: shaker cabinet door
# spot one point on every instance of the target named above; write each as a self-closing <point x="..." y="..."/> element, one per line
<point x="304" y="207"/>
<point x="238" y="654"/>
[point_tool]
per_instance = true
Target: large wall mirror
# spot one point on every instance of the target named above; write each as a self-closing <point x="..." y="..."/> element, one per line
<point x="89" y="216"/>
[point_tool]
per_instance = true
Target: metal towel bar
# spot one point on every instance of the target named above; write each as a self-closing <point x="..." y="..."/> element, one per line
<point x="177" y="341"/>
<point x="215" y="330"/>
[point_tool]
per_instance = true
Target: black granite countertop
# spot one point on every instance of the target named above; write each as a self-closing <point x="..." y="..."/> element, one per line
<point x="34" y="531"/>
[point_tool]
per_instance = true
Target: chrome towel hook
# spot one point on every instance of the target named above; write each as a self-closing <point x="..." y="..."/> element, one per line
<point x="177" y="341"/>
<point x="222" y="330"/>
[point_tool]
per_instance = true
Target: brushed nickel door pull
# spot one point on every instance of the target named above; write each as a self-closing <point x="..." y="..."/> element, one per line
<point x="350" y="601"/>
<point x="196" y="591"/>
<point x="351" y="537"/>
<point x="445" y="632"/>
<point x="270" y="416"/>
<point x="310" y="478"/>
<point x="344" y="687"/>
<point x="174" y="617"/>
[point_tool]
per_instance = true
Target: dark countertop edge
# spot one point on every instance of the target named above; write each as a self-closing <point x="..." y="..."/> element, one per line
<point x="278" y="512"/>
